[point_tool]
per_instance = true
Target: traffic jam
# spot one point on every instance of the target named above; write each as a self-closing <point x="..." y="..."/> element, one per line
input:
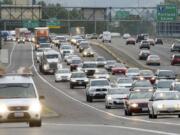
<point x="73" y="61"/>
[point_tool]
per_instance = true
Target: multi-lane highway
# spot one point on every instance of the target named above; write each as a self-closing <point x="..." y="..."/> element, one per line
<point x="75" y="115"/>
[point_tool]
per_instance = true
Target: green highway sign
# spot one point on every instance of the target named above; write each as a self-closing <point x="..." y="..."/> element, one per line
<point x="53" y="23"/>
<point x="30" y="23"/>
<point x="166" y="12"/>
<point x="121" y="14"/>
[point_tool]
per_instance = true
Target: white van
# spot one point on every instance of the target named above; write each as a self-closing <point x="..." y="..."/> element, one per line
<point x="106" y="36"/>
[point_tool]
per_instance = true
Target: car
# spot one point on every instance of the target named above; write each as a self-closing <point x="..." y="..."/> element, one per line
<point x="137" y="102"/>
<point x="158" y="41"/>
<point x="39" y="53"/>
<point x="101" y="61"/>
<point x="78" y="78"/>
<point x="133" y="72"/>
<point x="88" y="52"/>
<point x="94" y="36"/>
<point x="106" y="36"/>
<point x="153" y="60"/>
<point x="163" y="85"/>
<point x="75" y="63"/>
<point x="126" y="36"/>
<point x="97" y="89"/>
<point x="147" y="75"/>
<point x="83" y="45"/>
<point x="101" y="73"/>
<point x="19" y="100"/>
<point x="78" y="42"/>
<point x="124" y="82"/>
<point x="142" y="85"/>
<point x="66" y="49"/>
<point x="43" y="45"/>
<point x="115" y="97"/>
<point x="110" y="64"/>
<point x="165" y="74"/>
<point x="143" y="54"/>
<point x="175" y="86"/>
<point x="62" y="74"/>
<point x="144" y="44"/>
<point x="21" y="40"/>
<point x="74" y="39"/>
<point x="141" y="37"/>
<point x="89" y="67"/>
<point x="88" y="36"/>
<point x="175" y="47"/>
<point x="58" y="40"/>
<point x="131" y="41"/>
<point x="164" y="103"/>
<point x="151" y="41"/>
<point x="119" y="68"/>
<point x="175" y="59"/>
<point x="70" y="57"/>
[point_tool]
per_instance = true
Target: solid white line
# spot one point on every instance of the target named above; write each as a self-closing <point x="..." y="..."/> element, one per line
<point x="94" y="108"/>
<point x="11" y="55"/>
<point x="111" y="126"/>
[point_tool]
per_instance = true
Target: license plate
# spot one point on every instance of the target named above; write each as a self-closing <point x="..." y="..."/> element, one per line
<point x="170" y="110"/>
<point x="144" y="109"/>
<point x="80" y="82"/>
<point x="18" y="114"/>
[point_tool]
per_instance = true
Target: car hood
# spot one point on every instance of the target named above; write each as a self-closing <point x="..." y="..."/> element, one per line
<point x="125" y="84"/>
<point x="99" y="87"/>
<point x="81" y="78"/>
<point x="19" y="101"/>
<point x="167" y="103"/>
<point x="138" y="100"/>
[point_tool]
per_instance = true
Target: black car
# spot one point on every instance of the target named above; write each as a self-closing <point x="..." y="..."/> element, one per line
<point x="78" y="78"/>
<point x="144" y="44"/>
<point x="158" y="41"/>
<point x="175" y="47"/>
<point x="144" y="54"/>
<point x="141" y="37"/>
<point x="165" y="74"/>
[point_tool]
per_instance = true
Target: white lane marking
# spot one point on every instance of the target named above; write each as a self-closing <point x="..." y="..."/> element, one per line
<point x="99" y="110"/>
<point x="11" y="55"/>
<point x="111" y="126"/>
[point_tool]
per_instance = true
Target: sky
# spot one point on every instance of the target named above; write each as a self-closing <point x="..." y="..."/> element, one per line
<point x="106" y="3"/>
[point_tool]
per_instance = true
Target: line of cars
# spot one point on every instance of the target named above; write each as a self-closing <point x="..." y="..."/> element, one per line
<point x="119" y="86"/>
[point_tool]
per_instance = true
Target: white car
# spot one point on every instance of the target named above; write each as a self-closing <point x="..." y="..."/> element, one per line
<point x="97" y="89"/>
<point x="164" y="103"/>
<point x="153" y="59"/>
<point x="124" y="82"/>
<point x="101" y="73"/>
<point x="115" y="97"/>
<point x="126" y="36"/>
<point x="106" y="36"/>
<point x="163" y="85"/>
<point x="19" y="100"/>
<point x="63" y="74"/>
<point x="70" y="57"/>
<point x="101" y="61"/>
<point x="66" y="49"/>
<point x="133" y="72"/>
<point x="39" y="53"/>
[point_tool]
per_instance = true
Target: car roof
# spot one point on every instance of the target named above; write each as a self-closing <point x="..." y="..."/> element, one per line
<point x="51" y="52"/>
<point x="100" y="79"/>
<point x="15" y="79"/>
<point x="89" y="62"/>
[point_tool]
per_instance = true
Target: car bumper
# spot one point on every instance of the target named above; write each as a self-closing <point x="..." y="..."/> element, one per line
<point x="139" y="110"/>
<point x="115" y="103"/>
<point x="78" y="83"/>
<point x="168" y="112"/>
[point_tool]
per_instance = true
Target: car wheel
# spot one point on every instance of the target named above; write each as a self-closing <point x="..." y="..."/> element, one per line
<point x="150" y="115"/>
<point x="35" y="123"/>
<point x="90" y="99"/>
<point x="108" y="107"/>
<point x="87" y="98"/>
<point x="153" y="115"/>
<point x="128" y="113"/>
<point x="85" y="86"/>
<point x="71" y="86"/>
<point x="179" y="116"/>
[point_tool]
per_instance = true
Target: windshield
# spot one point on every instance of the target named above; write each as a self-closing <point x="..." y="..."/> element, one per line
<point x="101" y="72"/>
<point x="118" y="91"/>
<point x="60" y="38"/>
<point x="63" y="71"/>
<point x="167" y="96"/>
<point x="44" y="45"/>
<point x="144" y="83"/>
<point x="93" y="65"/>
<point x="78" y="75"/>
<point x="111" y="62"/>
<point x="17" y="90"/>
<point x="126" y="80"/>
<point x="133" y="70"/>
<point x="100" y="59"/>
<point x="146" y="73"/>
<point x="66" y="47"/>
<point x="52" y="56"/>
<point x="76" y="61"/>
<point x="140" y="95"/>
<point x="177" y="87"/>
<point x="100" y="83"/>
<point x="164" y="84"/>
<point x="166" y="73"/>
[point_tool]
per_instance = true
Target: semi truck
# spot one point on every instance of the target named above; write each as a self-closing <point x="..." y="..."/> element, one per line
<point x="20" y="33"/>
<point x="41" y="35"/>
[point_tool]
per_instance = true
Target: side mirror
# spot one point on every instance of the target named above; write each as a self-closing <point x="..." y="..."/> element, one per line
<point x="41" y="97"/>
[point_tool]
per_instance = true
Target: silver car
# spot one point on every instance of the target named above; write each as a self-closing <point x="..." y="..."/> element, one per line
<point x="101" y="73"/>
<point x="124" y="82"/>
<point x="153" y="60"/>
<point x="63" y="74"/>
<point x="115" y="97"/>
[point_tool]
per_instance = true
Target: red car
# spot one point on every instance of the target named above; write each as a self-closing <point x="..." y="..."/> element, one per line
<point x="137" y="102"/>
<point x="75" y="63"/>
<point x="148" y="75"/>
<point x="175" y="59"/>
<point x="131" y="41"/>
<point x="119" y="68"/>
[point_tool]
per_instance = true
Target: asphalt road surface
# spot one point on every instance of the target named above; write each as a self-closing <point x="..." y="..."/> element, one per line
<point x="76" y="116"/>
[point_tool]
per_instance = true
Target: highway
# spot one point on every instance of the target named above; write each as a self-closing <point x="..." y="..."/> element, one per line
<point x="75" y="115"/>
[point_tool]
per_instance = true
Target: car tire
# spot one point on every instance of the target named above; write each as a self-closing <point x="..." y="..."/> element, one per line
<point x="108" y="107"/>
<point x="150" y="115"/>
<point x="90" y="99"/>
<point x="35" y="123"/>
<point x="179" y="116"/>
<point x="71" y="86"/>
<point x="153" y="115"/>
<point x="87" y="98"/>
<point x="127" y="113"/>
<point x="85" y="86"/>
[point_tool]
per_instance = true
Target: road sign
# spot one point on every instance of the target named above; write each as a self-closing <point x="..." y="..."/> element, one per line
<point x="166" y="12"/>
<point x="53" y="23"/>
<point x="30" y="23"/>
<point x="122" y="14"/>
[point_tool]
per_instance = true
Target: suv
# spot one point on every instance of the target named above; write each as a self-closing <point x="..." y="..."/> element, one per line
<point x="97" y="89"/>
<point x="19" y="100"/>
<point x="49" y="62"/>
<point x="144" y="44"/>
<point x="89" y="67"/>
<point x="78" y="78"/>
<point x="165" y="74"/>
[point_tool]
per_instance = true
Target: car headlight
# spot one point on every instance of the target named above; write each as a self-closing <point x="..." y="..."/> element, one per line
<point x="73" y="80"/>
<point x="46" y="66"/>
<point x="3" y="109"/>
<point x="134" y="105"/>
<point x="107" y="76"/>
<point x="177" y="106"/>
<point x="109" y="98"/>
<point x="86" y="80"/>
<point x="153" y="78"/>
<point x="141" y="78"/>
<point x="85" y="53"/>
<point x="35" y="108"/>
<point x="160" y="106"/>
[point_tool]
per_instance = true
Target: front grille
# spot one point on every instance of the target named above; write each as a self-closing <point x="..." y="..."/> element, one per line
<point x="11" y="116"/>
<point x="101" y="90"/>
<point x="18" y="108"/>
<point x="143" y="105"/>
<point x="53" y="65"/>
